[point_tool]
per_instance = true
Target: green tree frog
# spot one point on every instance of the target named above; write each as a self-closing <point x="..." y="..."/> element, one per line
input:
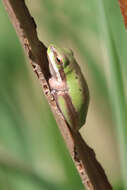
<point x="68" y="86"/>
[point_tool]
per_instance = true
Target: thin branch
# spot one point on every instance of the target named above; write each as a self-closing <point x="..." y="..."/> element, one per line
<point x="91" y="172"/>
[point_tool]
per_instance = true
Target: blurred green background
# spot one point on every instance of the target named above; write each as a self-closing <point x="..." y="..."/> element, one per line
<point x="32" y="151"/>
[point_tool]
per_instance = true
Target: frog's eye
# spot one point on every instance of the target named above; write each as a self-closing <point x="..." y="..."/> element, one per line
<point x="58" y="60"/>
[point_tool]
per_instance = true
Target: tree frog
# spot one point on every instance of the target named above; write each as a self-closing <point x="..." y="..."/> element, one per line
<point x="68" y="86"/>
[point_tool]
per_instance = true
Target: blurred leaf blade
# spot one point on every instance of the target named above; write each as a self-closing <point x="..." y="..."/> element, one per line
<point x="116" y="85"/>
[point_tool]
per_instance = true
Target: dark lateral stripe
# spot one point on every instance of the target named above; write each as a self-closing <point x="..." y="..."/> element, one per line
<point x="71" y="111"/>
<point x="62" y="74"/>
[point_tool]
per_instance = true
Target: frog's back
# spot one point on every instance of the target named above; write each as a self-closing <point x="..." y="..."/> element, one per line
<point x="78" y="91"/>
<point x="74" y="102"/>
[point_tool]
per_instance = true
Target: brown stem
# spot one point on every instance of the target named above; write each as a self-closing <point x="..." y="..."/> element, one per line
<point x="123" y="7"/>
<point x="91" y="172"/>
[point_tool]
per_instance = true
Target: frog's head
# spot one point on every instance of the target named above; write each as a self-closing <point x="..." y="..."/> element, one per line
<point x="59" y="61"/>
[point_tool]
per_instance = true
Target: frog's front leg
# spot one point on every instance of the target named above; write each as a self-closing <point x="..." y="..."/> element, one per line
<point x="57" y="86"/>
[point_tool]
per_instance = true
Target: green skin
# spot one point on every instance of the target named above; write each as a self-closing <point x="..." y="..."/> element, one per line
<point x="68" y="86"/>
